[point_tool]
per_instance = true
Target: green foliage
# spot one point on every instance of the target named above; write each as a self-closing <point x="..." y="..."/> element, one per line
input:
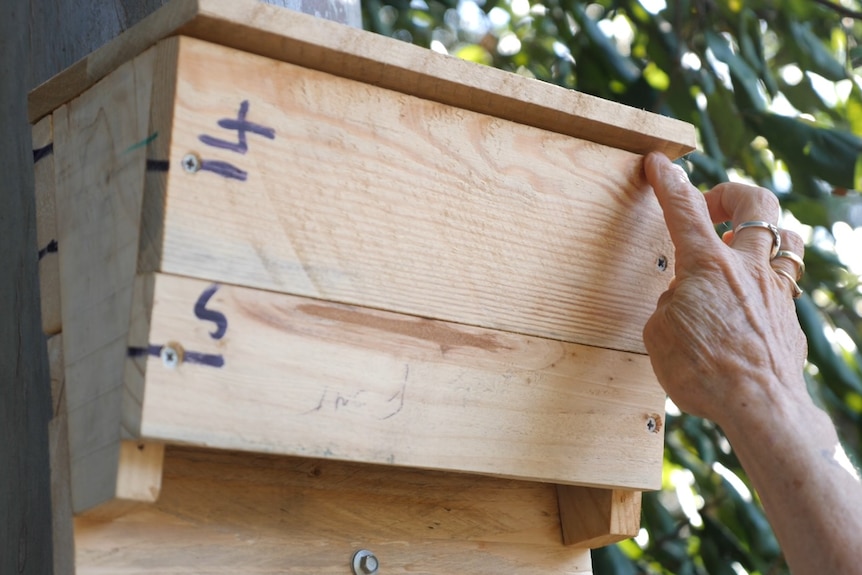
<point x="773" y="88"/>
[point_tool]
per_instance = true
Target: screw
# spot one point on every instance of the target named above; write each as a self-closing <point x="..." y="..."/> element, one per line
<point x="191" y="163"/>
<point x="172" y="355"/>
<point x="662" y="263"/>
<point x="365" y="562"/>
<point x="653" y="424"/>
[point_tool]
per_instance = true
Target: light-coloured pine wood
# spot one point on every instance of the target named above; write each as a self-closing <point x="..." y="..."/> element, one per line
<point x="311" y="42"/>
<point x="46" y="225"/>
<point x="58" y="454"/>
<point x="598" y="517"/>
<point x="100" y="162"/>
<point x="317" y="379"/>
<point x="371" y="197"/>
<point x="227" y="513"/>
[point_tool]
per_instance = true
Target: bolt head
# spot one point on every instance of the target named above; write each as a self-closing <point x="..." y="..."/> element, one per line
<point x="369" y="564"/>
<point x="365" y="563"/>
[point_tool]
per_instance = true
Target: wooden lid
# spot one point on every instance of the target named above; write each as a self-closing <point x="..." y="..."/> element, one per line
<point x="319" y="44"/>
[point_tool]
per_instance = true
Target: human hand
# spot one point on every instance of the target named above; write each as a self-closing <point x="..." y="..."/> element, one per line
<point x="724" y="340"/>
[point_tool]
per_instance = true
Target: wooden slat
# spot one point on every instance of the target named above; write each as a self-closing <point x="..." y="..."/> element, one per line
<point x="100" y="161"/>
<point x="226" y="513"/>
<point x="58" y="453"/>
<point x="270" y="372"/>
<point x="370" y="197"/>
<point x="254" y="27"/>
<point x="46" y="225"/>
<point x="597" y="517"/>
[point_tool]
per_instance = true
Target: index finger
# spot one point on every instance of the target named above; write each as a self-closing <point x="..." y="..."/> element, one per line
<point x="685" y="210"/>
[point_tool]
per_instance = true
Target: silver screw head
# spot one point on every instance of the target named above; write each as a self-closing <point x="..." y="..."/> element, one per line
<point x="191" y="163"/>
<point x="171" y="355"/>
<point x="365" y="563"/>
<point x="652" y="425"/>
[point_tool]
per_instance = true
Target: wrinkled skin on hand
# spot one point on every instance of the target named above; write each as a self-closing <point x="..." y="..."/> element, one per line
<point x="724" y="339"/>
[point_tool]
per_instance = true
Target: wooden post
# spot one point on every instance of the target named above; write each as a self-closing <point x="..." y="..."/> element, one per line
<point x="37" y="40"/>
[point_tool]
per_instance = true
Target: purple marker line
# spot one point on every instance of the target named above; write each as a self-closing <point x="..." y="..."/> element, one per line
<point x="210" y="359"/>
<point x="224" y="170"/>
<point x="43" y="152"/>
<point x="203" y="313"/>
<point x="158" y="165"/>
<point x="154" y="350"/>
<point x="51" y="248"/>
<point x="241" y="126"/>
<point x="194" y="357"/>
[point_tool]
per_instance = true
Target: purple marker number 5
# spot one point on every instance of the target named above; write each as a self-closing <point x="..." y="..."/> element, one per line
<point x="206" y="314"/>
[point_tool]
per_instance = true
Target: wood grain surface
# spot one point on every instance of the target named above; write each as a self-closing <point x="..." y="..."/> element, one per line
<point x="227" y="513"/>
<point x="100" y="166"/>
<point x="275" y="373"/>
<point x="348" y="192"/>
<point x="598" y="517"/>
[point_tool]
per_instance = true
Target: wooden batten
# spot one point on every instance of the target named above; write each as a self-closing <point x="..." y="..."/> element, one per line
<point x="46" y="225"/>
<point x="58" y="456"/>
<point x="224" y="513"/>
<point x="598" y="517"/>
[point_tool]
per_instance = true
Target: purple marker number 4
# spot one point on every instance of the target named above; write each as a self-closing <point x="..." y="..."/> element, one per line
<point x="242" y="126"/>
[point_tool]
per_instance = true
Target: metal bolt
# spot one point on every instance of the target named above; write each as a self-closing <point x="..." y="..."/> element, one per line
<point x="172" y="355"/>
<point x="651" y="425"/>
<point x="662" y="263"/>
<point x="365" y="563"/>
<point x="191" y="163"/>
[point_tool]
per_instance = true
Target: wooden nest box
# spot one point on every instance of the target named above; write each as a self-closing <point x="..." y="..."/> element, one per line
<point x="312" y="291"/>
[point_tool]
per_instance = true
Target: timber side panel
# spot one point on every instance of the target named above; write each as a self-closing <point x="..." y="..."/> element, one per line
<point x="223" y="513"/>
<point x="275" y="373"/>
<point x="339" y="190"/>
<point x="100" y="162"/>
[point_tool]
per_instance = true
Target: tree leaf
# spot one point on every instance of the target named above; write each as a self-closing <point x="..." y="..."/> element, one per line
<point x="745" y="80"/>
<point x="813" y="54"/>
<point x="829" y="154"/>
